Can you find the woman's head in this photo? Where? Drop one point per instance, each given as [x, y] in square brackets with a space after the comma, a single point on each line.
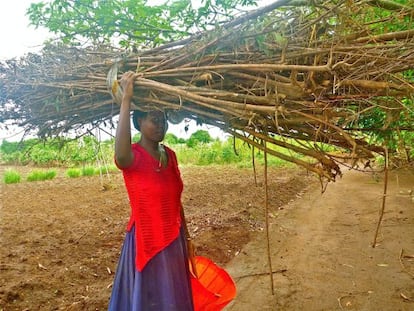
[152, 124]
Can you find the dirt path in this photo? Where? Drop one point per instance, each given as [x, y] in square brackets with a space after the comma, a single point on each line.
[322, 251]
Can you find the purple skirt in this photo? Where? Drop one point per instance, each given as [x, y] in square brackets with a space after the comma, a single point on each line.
[163, 284]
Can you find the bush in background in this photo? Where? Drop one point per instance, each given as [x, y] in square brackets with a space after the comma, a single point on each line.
[90, 154]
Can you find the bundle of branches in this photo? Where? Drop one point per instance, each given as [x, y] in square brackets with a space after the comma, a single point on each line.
[308, 71]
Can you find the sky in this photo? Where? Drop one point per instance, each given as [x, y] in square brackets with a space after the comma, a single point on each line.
[18, 38]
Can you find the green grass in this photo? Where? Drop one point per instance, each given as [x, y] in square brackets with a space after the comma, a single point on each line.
[38, 175]
[11, 176]
[106, 169]
[88, 171]
[50, 174]
[214, 152]
[73, 172]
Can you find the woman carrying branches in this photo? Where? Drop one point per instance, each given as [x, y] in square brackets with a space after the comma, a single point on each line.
[153, 270]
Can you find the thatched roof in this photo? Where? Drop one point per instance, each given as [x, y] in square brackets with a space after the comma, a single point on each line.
[295, 69]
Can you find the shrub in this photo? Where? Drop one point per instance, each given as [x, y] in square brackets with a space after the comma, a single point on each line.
[170, 139]
[11, 177]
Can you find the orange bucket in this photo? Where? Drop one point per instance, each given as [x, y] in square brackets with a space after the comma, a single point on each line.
[214, 288]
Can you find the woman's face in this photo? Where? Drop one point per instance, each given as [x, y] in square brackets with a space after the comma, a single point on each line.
[153, 126]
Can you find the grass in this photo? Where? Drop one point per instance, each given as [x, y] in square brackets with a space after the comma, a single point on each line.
[73, 172]
[215, 152]
[38, 175]
[88, 171]
[11, 177]
[106, 169]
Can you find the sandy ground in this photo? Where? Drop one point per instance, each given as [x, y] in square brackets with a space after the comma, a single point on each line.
[60, 239]
[322, 250]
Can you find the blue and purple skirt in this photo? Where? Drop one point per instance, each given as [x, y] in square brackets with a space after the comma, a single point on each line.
[163, 284]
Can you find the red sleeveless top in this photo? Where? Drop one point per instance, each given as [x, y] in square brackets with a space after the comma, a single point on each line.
[155, 198]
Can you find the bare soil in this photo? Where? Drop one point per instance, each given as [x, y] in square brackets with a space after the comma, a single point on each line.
[60, 239]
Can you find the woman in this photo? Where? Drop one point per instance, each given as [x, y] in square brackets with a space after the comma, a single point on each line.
[153, 272]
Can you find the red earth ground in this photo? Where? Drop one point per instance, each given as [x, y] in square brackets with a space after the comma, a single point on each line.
[60, 239]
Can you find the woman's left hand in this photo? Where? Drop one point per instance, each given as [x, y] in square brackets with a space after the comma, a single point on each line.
[191, 256]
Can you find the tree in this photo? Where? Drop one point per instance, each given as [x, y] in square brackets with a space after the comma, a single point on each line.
[171, 139]
[199, 136]
[130, 23]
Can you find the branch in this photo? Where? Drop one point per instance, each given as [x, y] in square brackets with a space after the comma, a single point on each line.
[398, 35]
[249, 16]
[390, 5]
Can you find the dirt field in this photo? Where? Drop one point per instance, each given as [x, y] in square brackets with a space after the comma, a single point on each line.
[60, 239]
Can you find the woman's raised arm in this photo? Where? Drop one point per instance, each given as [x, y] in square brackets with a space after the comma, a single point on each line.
[123, 151]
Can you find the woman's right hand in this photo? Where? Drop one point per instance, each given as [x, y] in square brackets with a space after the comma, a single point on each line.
[123, 152]
[127, 85]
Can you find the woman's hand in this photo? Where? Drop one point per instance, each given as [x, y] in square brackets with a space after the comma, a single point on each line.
[127, 85]
[190, 248]
[191, 257]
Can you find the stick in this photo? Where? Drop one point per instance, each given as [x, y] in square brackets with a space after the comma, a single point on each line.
[269, 257]
[258, 274]
[384, 195]
[402, 263]
[254, 165]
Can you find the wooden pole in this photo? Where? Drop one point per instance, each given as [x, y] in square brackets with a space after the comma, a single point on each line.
[384, 195]
[269, 257]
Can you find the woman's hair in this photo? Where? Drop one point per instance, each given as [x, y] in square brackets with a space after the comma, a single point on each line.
[138, 114]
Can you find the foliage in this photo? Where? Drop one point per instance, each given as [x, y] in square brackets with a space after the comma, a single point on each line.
[129, 23]
[37, 175]
[397, 22]
[106, 169]
[199, 136]
[16, 151]
[73, 172]
[171, 139]
[55, 151]
[231, 151]
[390, 127]
[11, 176]
[199, 149]
[88, 171]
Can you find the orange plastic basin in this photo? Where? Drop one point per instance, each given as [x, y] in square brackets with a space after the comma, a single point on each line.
[214, 288]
